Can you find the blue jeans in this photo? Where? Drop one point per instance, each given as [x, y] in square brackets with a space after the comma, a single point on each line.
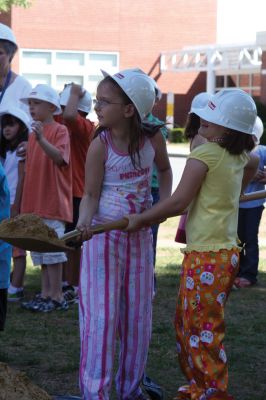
[248, 229]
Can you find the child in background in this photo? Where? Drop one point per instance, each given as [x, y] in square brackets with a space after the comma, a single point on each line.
[152, 388]
[5, 248]
[191, 133]
[210, 186]
[249, 217]
[47, 189]
[15, 126]
[193, 120]
[116, 283]
[151, 119]
[76, 104]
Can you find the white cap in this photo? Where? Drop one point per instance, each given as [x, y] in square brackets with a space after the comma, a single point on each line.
[200, 101]
[44, 93]
[138, 87]
[7, 34]
[231, 108]
[258, 129]
[18, 113]
[84, 103]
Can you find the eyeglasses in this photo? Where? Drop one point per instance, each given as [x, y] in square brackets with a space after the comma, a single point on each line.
[104, 103]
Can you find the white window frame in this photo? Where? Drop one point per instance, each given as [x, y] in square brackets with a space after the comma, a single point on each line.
[54, 70]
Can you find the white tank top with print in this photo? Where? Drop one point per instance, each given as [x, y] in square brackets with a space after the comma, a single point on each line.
[125, 189]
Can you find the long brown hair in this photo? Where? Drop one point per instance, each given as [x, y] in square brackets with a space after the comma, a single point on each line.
[236, 142]
[192, 126]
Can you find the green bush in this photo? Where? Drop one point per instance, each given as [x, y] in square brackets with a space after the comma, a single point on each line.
[176, 135]
[261, 109]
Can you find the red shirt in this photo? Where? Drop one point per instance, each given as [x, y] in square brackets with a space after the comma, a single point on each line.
[81, 134]
[47, 189]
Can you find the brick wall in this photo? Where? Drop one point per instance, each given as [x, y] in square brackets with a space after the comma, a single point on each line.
[139, 30]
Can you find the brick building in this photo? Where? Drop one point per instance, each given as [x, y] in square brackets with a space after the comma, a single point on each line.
[70, 40]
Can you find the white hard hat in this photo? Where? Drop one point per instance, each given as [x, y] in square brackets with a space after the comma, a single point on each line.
[231, 108]
[258, 129]
[84, 104]
[158, 93]
[7, 34]
[44, 93]
[138, 87]
[18, 113]
[200, 101]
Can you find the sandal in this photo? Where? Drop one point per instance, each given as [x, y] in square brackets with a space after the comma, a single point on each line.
[242, 283]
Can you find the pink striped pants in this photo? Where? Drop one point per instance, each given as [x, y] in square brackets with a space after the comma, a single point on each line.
[116, 287]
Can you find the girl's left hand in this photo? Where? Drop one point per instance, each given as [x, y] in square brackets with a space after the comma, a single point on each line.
[37, 128]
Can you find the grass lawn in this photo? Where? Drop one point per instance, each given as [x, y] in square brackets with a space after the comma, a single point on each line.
[46, 347]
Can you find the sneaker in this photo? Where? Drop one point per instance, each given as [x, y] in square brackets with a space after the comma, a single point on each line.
[34, 304]
[70, 295]
[60, 305]
[153, 389]
[15, 296]
[52, 305]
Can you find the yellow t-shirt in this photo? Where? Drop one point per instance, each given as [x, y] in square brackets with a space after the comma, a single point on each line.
[213, 214]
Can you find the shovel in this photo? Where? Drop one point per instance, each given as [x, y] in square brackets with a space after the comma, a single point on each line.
[59, 244]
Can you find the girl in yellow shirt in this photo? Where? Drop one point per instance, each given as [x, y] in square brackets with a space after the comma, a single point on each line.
[214, 176]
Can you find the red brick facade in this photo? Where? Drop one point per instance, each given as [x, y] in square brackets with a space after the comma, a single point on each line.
[139, 30]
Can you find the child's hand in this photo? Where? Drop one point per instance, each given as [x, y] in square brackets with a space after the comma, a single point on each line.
[22, 149]
[85, 232]
[77, 90]
[37, 128]
[134, 222]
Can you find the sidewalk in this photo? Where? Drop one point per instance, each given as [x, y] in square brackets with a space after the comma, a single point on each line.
[177, 149]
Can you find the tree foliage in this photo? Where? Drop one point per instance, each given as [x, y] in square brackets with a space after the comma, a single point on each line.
[5, 5]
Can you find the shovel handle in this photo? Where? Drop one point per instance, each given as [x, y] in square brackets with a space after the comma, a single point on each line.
[119, 224]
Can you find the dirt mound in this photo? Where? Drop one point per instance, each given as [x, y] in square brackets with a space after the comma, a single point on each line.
[29, 225]
[15, 385]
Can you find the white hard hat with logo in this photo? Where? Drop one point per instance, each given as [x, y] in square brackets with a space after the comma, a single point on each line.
[200, 101]
[258, 129]
[18, 113]
[231, 108]
[138, 87]
[44, 93]
[7, 34]
[84, 103]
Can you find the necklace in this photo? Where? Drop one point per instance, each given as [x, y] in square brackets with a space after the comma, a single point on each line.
[216, 140]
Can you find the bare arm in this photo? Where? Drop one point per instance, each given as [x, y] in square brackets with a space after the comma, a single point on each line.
[94, 173]
[164, 170]
[250, 170]
[190, 184]
[51, 151]
[71, 109]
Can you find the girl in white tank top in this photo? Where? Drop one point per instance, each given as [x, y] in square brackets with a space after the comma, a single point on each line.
[116, 282]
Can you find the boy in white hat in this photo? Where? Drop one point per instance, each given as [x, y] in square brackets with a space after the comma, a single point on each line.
[47, 189]
[76, 104]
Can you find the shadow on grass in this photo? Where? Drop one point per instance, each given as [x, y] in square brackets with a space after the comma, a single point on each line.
[46, 347]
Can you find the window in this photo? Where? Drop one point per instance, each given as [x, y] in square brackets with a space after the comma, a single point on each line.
[55, 67]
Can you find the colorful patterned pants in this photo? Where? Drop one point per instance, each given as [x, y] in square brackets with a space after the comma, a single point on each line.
[116, 287]
[206, 281]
